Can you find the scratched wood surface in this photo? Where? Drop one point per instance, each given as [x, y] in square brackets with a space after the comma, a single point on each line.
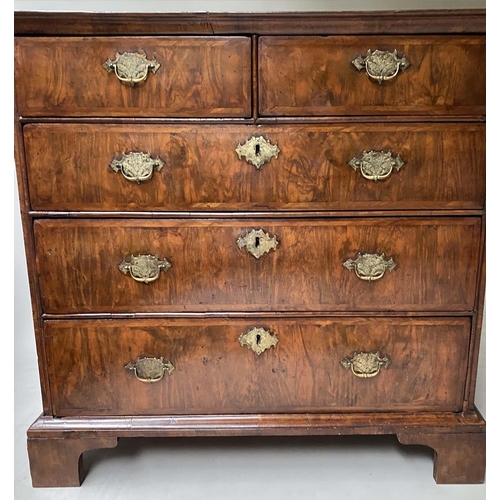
[267, 424]
[315, 76]
[306, 96]
[68, 167]
[198, 76]
[215, 374]
[419, 21]
[436, 265]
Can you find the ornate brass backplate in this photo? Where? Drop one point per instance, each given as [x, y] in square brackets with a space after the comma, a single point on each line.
[381, 65]
[257, 151]
[144, 268]
[257, 242]
[258, 340]
[370, 266]
[376, 165]
[365, 364]
[136, 166]
[150, 369]
[131, 67]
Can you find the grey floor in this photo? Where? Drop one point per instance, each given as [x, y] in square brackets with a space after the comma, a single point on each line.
[188, 469]
[215, 468]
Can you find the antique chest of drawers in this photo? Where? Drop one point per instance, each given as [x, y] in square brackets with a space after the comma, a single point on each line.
[254, 224]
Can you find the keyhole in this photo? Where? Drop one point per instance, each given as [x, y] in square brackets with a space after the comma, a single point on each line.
[257, 242]
[257, 150]
[257, 339]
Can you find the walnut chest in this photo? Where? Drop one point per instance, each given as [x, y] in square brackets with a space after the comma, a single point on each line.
[254, 224]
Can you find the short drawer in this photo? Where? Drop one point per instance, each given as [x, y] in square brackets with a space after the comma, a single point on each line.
[374, 264]
[98, 167]
[189, 366]
[187, 76]
[316, 75]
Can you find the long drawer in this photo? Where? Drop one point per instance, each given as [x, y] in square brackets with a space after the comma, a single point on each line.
[410, 75]
[197, 167]
[117, 367]
[148, 76]
[372, 264]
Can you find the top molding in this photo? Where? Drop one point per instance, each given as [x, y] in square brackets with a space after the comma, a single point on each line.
[33, 23]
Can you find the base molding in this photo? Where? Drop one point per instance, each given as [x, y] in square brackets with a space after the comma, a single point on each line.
[56, 445]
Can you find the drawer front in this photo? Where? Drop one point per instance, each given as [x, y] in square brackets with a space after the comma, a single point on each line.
[431, 166]
[258, 265]
[197, 76]
[208, 368]
[316, 75]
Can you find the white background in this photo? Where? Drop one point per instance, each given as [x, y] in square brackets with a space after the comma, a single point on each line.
[305, 468]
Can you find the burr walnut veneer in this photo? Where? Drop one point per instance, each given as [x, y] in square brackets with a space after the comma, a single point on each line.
[253, 224]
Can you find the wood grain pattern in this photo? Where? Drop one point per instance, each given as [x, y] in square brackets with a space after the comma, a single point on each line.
[463, 431]
[30, 253]
[198, 76]
[459, 458]
[436, 260]
[270, 214]
[68, 167]
[223, 78]
[57, 462]
[477, 325]
[215, 374]
[315, 76]
[282, 23]
[254, 314]
[281, 424]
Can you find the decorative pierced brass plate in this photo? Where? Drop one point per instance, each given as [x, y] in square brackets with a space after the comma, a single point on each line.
[257, 242]
[381, 65]
[376, 165]
[144, 268]
[135, 166]
[365, 364]
[131, 67]
[150, 369]
[370, 266]
[258, 340]
[257, 151]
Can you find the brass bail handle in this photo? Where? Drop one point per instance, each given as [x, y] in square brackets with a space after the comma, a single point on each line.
[136, 166]
[381, 65]
[370, 266]
[131, 67]
[376, 165]
[149, 369]
[144, 268]
[366, 364]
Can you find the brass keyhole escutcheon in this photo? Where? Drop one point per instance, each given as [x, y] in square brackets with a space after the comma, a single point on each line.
[258, 340]
[257, 242]
[257, 151]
